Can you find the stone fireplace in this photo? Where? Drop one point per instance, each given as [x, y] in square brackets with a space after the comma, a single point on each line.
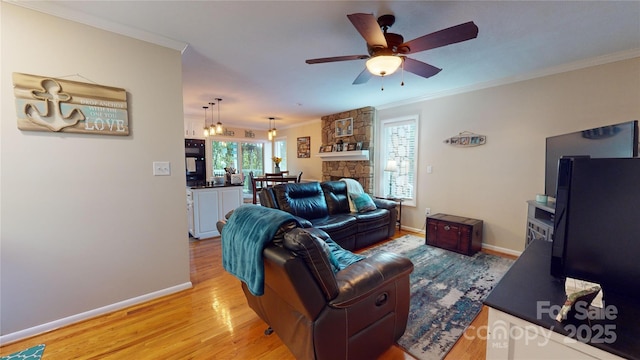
[363, 127]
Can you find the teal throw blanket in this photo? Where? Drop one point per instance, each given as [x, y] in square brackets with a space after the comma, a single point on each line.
[249, 229]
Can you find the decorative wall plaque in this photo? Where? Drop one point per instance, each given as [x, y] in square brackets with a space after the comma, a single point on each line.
[56, 105]
[466, 139]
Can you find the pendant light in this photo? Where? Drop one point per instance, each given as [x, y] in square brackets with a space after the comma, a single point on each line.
[212, 128]
[206, 129]
[273, 130]
[219, 124]
[270, 133]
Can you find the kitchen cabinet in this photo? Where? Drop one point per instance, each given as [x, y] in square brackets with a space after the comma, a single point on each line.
[208, 205]
[194, 129]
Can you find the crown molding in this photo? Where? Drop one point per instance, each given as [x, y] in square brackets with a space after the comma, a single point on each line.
[576, 65]
[54, 9]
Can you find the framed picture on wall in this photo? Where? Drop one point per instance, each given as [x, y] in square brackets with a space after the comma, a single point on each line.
[304, 147]
[344, 127]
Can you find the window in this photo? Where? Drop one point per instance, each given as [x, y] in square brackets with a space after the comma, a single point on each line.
[399, 149]
[280, 150]
[225, 155]
[244, 156]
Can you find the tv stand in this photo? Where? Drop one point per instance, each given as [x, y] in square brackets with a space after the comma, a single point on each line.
[540, 221]
[522, 324]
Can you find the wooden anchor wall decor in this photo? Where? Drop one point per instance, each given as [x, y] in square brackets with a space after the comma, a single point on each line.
[57, 105]
[466, 139]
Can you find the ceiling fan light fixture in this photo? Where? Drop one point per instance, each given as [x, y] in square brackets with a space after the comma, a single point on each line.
[383, 65]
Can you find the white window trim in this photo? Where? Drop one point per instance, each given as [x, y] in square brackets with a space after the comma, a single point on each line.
[381, 146]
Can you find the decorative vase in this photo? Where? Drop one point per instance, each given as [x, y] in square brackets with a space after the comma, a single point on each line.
[277, 169]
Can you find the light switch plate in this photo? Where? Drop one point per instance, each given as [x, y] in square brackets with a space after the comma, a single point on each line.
[161, 168]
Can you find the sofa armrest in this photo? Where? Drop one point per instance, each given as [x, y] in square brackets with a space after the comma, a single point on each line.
[384, 204]
[363, 278]
[303, 222]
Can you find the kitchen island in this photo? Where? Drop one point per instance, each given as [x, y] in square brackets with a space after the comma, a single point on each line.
[208, 204]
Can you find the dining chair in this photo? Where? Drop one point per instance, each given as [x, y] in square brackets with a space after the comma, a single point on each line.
[256, 186]
[299, 177]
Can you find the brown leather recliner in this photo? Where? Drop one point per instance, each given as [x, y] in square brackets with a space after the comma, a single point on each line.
[356, 313]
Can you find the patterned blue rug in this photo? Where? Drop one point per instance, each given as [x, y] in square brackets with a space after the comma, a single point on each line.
[32, 353]
[447, 290]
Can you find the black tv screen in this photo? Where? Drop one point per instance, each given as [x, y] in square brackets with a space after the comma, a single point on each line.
[612, 141]
[602, 229]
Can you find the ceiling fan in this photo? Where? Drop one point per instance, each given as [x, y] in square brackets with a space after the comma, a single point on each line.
[387, 51]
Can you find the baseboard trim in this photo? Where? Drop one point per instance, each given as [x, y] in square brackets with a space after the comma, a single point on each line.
[501, 250]
[56, 324]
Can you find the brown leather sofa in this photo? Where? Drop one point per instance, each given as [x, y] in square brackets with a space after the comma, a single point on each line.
[355, 313]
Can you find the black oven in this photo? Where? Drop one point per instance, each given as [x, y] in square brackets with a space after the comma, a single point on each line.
[195, 167]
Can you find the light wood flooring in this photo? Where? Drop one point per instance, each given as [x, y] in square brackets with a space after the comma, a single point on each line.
[209, 321]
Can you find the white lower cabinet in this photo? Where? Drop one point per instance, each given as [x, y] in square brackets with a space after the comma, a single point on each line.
[209, 206]
[511, 338]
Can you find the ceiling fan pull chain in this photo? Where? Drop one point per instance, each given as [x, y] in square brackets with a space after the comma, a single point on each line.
[382, 83]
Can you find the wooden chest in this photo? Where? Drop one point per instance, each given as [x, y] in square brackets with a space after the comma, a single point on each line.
[455, 233]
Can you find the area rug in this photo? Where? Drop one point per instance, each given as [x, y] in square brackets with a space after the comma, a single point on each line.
[447, 290]
[32, 353]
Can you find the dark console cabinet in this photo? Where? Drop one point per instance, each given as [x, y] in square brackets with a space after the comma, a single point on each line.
[455, 233]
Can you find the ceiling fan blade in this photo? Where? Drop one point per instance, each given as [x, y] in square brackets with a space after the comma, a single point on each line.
[419, 68]
[452, 35]
[364, 76]
[336, 58]
[368, 27]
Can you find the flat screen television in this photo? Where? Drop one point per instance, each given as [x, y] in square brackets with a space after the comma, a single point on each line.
[597, 223]
[612, 141]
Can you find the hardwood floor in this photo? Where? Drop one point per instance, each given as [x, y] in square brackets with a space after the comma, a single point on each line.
[209, 321]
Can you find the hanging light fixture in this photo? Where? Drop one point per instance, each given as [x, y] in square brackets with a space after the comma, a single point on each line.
[206, 129]
[270, 134]
[219, 124]
[273, 131]
[212, 128]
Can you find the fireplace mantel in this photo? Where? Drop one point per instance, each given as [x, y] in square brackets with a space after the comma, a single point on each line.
[357, 155]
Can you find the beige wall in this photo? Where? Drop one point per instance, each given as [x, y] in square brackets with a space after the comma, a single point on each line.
[311, 167]
[492, 182]
[84, 224]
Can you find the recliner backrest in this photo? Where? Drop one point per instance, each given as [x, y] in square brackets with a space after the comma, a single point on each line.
[307, 244]
[336, 196]
[305, 200]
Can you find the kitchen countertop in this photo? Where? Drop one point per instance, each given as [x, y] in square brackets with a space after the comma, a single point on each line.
[201, 187]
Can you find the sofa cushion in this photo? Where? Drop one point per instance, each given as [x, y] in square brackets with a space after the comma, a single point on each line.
[336, 222]
[305, 200]
[372, 219]
[339, 227]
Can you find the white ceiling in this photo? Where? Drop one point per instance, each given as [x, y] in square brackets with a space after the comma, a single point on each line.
[252, 53]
